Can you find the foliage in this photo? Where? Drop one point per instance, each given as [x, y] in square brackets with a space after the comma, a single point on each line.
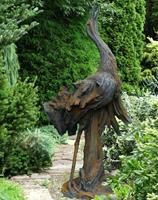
[13, 25]
[152, 196]
[18, 112]
[140, 109]
[151, 18]
[122, 24]
[52, 132]
[11, 63]
[33, 150]
[18, 103]
[72, 7]
[22, 111]
[57, 52]
[10, 191]
[107, 197]
[138, 176]
[150, 66]
[4, 94]
[13, 14]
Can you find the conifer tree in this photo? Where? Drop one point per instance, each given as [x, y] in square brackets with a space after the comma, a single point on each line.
[151, 26]
[13, 14]
[122, 28]
[13, 25]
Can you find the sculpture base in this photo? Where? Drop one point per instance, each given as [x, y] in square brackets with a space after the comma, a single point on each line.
[74, 190]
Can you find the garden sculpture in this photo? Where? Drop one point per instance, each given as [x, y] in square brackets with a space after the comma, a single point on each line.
[94, 103]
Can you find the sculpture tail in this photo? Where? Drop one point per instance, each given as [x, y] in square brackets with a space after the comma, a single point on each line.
[120, 111]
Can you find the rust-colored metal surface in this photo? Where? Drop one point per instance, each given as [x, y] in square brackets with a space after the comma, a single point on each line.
[94, 104]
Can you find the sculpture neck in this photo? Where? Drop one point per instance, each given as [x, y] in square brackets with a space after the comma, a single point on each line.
[107, 59]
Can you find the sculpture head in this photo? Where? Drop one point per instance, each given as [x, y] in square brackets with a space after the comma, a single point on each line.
[56, 117]
[92, 23]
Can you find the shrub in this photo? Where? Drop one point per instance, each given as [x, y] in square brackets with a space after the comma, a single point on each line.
[18, 112]
[122, 24]
[140, 109]
[57, 52]
[33, 150]
[22, 111]
[150, 66]
[18, 103]
[11, 63]
[138, 176]
[151, 18]
[10, 191]
[72, 7]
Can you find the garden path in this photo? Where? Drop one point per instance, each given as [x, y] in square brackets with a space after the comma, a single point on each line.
[46, 185]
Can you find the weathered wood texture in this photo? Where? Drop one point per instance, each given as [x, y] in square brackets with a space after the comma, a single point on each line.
[94, 104]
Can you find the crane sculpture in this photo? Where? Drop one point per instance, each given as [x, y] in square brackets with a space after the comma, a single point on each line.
[94, 103]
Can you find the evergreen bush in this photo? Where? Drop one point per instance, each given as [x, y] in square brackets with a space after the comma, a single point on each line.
[13, 15]
[150, 66]
[11, 63]
[57, 52]
[122, 24]
[71, 7]
[18, 108]
[33, 150]
[18, 111]
[21, 112]
[151, 25]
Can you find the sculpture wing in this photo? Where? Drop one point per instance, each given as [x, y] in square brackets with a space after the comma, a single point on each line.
[98, 92]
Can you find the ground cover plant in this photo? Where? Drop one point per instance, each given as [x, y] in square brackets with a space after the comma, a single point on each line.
[10, 191]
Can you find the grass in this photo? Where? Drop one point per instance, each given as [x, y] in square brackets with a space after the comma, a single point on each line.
[48, 137]
[52, 133]
[10, 191]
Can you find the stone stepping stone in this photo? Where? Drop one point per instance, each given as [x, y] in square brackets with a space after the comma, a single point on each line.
[37, 194]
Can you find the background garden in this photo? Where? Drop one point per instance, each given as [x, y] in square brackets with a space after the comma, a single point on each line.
[43, 45]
